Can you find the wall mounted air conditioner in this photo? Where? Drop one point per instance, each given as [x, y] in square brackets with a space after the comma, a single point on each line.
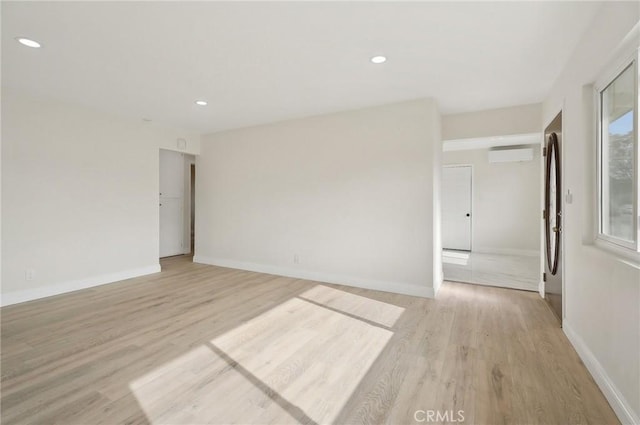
[511, 154]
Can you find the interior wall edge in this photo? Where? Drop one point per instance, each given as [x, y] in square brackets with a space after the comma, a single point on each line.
[615, 398]
[17, 297]
[506, 251]
[376, 285]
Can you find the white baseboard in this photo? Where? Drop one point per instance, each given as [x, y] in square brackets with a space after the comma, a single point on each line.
[61, 288]
[506, 251]
[394, 287]
[618, 403]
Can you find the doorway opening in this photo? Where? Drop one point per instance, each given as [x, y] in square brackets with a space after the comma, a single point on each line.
[176, 203]
[457, 183]
[552, 216]
[192, 173]
[490, 211]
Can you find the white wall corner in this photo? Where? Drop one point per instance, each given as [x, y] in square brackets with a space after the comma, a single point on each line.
[376, 285]
[437, 284]
[618, 403]
[75, 285]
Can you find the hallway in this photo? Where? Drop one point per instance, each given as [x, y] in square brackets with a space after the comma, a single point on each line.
[507, 271]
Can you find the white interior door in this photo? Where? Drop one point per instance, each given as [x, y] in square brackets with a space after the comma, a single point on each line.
[172, 177]
[456, 208]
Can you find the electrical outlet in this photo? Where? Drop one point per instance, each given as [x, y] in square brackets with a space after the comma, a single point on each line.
[29, 274]
[296, 259]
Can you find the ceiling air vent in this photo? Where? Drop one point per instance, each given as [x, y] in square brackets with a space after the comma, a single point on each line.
[511, 154]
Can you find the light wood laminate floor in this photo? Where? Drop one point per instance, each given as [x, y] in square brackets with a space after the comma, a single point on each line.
[202, 344]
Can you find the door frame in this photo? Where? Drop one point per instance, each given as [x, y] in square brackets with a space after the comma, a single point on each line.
[190, 161]
[559, 110]
[471, 203]
[182, 206]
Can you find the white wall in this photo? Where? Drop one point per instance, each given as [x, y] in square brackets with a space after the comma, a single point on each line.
[1, 115]
[521, 119]
[601, 291]
[505, 202]
[80, 196]
[350, 194]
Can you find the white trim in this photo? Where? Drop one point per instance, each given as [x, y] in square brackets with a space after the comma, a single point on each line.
[436, 287]
[616, 250]
[376, 285]
[74, 285]
[621, 60]
[618, 403]
[541, 288]
[621, 64]
[507, 251]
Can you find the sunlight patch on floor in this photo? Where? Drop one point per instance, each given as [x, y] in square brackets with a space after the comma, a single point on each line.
[379, 312]
[298, 362]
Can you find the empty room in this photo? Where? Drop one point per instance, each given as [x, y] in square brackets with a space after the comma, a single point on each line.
[320, 212]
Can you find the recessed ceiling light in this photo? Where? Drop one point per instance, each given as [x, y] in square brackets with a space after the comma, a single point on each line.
[201, 102]
[378, 59]
[28, 42]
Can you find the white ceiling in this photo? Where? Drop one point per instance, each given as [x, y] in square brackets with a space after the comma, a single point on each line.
[258, 62]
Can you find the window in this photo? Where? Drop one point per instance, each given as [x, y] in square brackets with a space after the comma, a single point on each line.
[618, 158]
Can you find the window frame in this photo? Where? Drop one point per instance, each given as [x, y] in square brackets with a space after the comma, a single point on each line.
[619, 245]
